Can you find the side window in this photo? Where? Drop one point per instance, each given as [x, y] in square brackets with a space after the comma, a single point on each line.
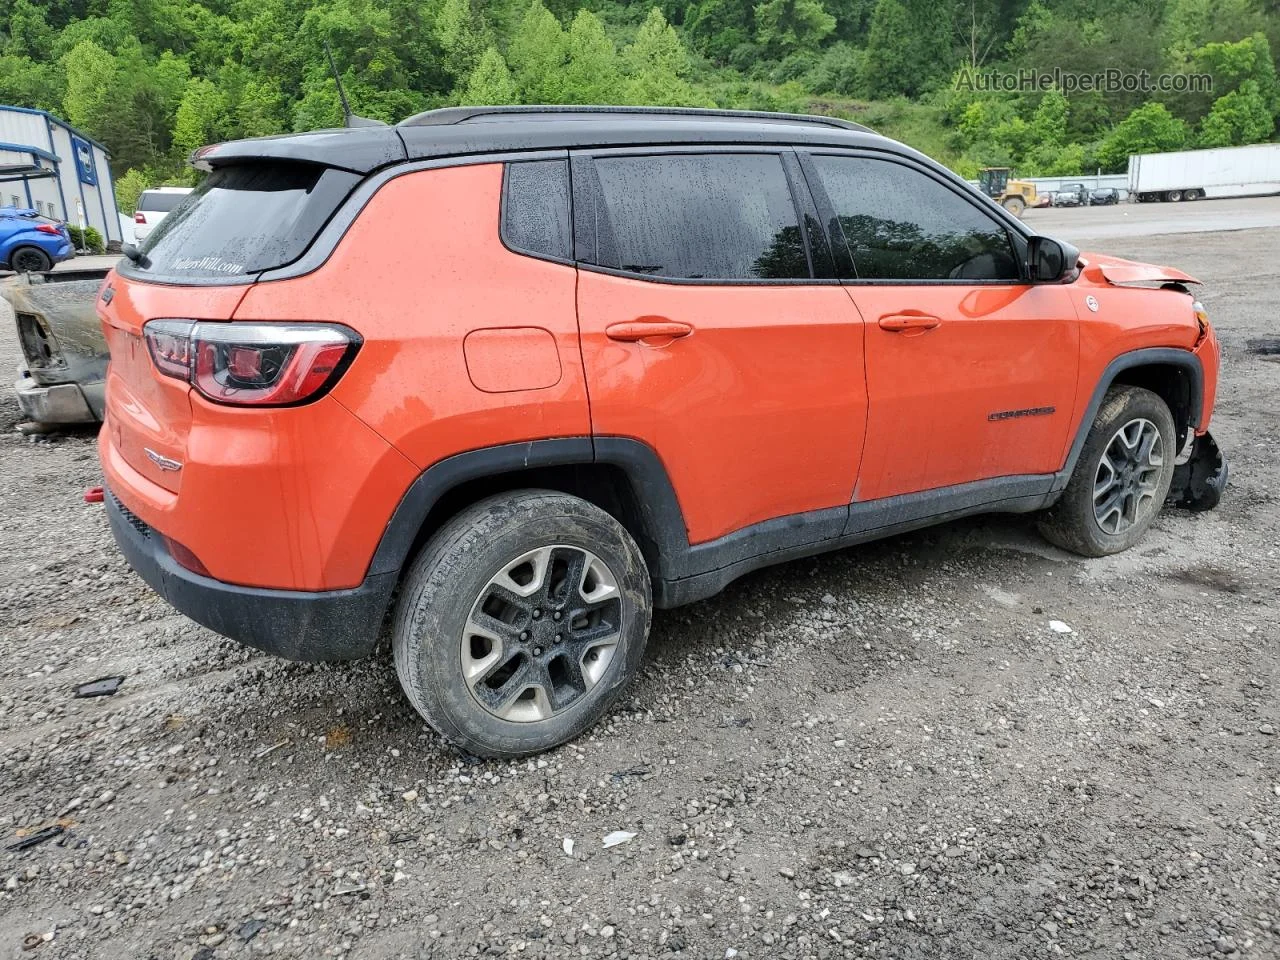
[903, 225]
[535, 208]
[706, 217]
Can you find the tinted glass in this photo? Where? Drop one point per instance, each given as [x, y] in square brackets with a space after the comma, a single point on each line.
[535, 211]
[903, 225]
[244, 219]
[712, 217]
[160, 202]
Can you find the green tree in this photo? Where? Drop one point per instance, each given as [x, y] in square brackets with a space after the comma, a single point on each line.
[202, 117]
[1049, 123]
[1241, 117]
[462, 35]
[658, 65]
[718, 27]
[785, 26]
[591, 73]
[27, 83]
[490, 82]
[1148, 129]
[888, 64]
[129, 188]
[537, 55]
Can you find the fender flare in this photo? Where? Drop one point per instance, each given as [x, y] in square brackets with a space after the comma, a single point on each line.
[1184, 360]
[662, 522]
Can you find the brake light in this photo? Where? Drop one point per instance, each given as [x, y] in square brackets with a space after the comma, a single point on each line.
[139, 217]
[48, 228]
[252, 364]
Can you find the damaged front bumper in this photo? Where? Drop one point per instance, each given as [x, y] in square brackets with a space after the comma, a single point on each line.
[1200, 477]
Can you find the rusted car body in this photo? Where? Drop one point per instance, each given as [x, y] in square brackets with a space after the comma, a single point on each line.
[62, 377]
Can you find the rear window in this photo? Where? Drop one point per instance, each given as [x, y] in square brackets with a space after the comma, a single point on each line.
[242, 220]
[157, 202]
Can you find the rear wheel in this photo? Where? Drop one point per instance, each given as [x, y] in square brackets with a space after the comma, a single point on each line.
[29, 260]
[521, 622]
[1174, 196]
[1014, 205]
[1121, 478]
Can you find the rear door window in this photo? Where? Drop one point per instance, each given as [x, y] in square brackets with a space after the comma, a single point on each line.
[901, 224]
[160, 201]
[241, 220]
[720, 216]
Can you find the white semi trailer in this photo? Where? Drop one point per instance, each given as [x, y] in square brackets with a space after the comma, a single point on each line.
[1195, 174]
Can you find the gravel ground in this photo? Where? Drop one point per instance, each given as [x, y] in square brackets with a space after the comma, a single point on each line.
[884, 752]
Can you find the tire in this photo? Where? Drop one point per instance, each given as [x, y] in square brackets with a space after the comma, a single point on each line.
[1014, 205]
[1174, 196]
[29, 260]
[493, 671]
[1193, 195]
[1074, 522]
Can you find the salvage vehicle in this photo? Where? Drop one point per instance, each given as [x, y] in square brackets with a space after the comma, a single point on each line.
[1071, 195]
[1104, 196]
[526, 374]
[62, 376]
[30, 242]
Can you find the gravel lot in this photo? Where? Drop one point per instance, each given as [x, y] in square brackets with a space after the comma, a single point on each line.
[884, 752]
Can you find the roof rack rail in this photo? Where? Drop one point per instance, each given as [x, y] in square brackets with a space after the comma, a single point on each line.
[452, 115]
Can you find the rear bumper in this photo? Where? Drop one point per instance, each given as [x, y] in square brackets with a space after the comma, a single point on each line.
[295, 624]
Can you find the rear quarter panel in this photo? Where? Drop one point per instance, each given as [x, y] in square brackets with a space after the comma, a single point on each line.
[420, 269]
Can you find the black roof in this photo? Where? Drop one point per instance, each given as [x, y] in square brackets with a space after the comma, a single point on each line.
[457, 131]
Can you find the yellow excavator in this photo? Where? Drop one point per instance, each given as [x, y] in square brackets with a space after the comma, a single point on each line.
[1014, 195]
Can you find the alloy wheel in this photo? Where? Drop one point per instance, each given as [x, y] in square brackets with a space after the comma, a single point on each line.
[29, 261]
[1128, 476]
[542, 633]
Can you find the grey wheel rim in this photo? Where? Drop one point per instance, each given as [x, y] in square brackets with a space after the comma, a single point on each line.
[1128, 477]
[542, 633]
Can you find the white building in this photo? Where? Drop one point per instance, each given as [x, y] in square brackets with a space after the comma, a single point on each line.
[50, 166]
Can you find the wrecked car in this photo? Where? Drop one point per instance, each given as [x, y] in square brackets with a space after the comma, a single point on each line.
[62, 376]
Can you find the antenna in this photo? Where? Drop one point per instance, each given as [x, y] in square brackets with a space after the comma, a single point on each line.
[342, 94]
[349, 119]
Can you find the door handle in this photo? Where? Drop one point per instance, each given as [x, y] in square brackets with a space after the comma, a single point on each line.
[657, 328]
[898, 322]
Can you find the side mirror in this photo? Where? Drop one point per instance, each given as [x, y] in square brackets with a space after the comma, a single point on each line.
[1051, 261]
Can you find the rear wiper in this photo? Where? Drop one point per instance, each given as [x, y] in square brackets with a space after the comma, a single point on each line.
[136, 255]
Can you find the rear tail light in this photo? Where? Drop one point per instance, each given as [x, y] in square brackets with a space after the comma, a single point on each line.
[252, 364]
[48, 228]
[139, 217]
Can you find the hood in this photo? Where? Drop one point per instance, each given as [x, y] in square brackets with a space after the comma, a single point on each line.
[1119, 273]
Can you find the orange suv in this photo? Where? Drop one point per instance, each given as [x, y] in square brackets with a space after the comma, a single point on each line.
[517, 376]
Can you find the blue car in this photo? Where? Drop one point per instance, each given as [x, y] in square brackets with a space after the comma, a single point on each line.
[30, 243]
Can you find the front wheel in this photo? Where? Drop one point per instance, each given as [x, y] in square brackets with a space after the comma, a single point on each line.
[521, 622]
[1014, 205]
[1121, 478]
